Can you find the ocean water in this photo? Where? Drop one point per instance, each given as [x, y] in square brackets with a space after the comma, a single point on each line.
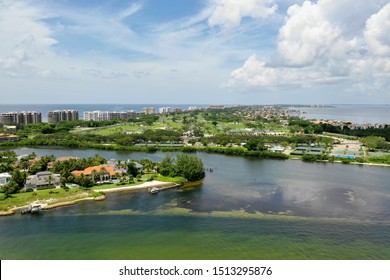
[352, 113]
[359, 114]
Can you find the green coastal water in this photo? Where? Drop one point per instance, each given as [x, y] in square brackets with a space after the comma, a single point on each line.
[245, 209]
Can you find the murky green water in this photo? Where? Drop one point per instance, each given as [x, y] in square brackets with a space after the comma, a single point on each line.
[245, 209]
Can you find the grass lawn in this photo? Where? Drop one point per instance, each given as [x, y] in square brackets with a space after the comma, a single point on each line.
[144, 178]
[25, 198]
[117, 129]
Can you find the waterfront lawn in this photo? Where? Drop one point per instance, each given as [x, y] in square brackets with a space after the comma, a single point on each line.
[144, 178]
[384, 159]
[25, 198]
[177, 180]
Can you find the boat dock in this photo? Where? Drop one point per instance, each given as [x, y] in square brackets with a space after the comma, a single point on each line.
[32, 209]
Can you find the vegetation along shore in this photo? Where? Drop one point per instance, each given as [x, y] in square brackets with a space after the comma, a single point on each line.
[252, 131]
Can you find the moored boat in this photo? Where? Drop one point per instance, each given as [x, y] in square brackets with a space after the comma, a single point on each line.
[32, 209]
[154, 190]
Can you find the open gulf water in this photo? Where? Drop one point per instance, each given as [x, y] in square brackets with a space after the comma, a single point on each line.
[353, 113]
[359, 114]
[246, 208]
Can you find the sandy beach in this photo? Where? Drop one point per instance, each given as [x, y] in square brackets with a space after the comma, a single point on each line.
[144, 186]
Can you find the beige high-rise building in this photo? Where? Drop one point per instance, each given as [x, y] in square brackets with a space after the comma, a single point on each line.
[21, 118]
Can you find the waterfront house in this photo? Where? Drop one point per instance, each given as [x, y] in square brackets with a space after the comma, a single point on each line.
[5, 178]
[100, 173]
[52, 164]
[42, 180]
[139, 167]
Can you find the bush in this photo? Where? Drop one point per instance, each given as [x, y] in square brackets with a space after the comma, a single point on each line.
[309, 158]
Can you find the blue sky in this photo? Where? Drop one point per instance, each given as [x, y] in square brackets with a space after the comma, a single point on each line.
[195, 51]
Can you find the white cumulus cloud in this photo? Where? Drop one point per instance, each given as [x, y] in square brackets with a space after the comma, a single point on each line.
[306, 34]
[228, 13]
[377, 32]
[316, 46]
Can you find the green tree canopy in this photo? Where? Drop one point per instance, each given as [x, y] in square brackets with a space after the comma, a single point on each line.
[188, 166]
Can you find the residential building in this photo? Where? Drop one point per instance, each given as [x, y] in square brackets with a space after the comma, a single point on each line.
[52, 164]
[148, 110]
[30, 117]
[5, 178]
[216, 107]
[108, 116]
[43, 180]
[177, 110]
[8, 138]
[57, 116]
[121, 115]
[21, 118]
[100, 173]
[96, 116]
[9, 118]
[164, 110]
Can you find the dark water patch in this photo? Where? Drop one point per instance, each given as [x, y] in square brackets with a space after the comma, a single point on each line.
[183, 237]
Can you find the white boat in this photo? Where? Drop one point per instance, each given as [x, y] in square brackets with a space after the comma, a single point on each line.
[32, 209]
[154, 190]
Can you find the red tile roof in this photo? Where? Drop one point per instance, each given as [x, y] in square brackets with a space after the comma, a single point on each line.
[88, 171]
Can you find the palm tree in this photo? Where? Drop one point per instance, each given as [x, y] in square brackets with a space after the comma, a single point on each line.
[93, 175]
[103, 173]
[49, 179]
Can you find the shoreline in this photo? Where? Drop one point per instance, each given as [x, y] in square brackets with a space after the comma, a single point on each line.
[144, 186]
[349, 163]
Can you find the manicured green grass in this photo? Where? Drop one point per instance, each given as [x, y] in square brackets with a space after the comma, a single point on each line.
[117, 129]
[144, 178]
[25, 198]
[178, 180]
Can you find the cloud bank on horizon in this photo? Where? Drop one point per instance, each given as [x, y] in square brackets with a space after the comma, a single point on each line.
[198, 51]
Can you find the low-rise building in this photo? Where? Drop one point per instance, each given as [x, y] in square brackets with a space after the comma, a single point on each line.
[5, 178]
[9, 127]
[42, 180]
[8, 138]
[100, 173]
[277, 149]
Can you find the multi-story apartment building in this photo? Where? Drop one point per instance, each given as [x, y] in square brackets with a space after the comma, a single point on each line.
[62, 115]
[164, 110]
[148, 110]
[122, 115]
[107, 116]
[21, 118]
[9, 118]
[96, 116]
